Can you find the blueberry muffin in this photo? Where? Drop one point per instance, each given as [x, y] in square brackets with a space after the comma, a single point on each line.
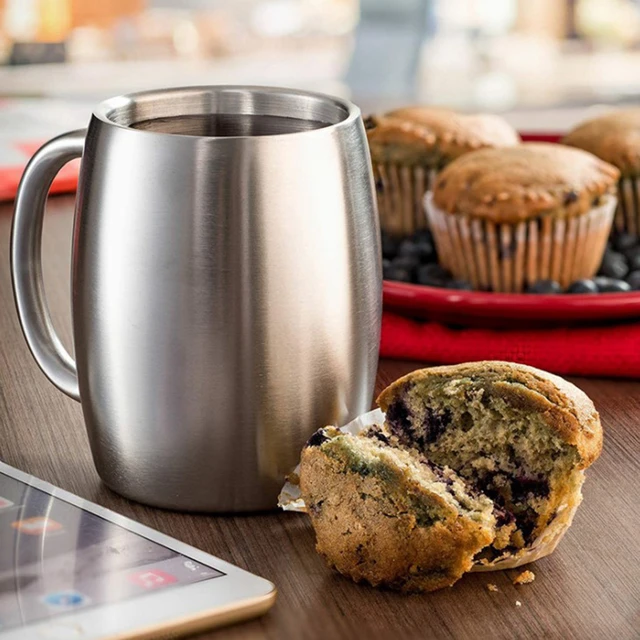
[477, 467]
[387, 516]
[518, 435]
[504, 219]
[615, 137]
[409, 145]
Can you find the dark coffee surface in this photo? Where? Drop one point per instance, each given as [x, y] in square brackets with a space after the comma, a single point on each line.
[225, 125]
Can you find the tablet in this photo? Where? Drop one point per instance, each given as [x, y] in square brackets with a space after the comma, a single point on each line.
[70, 569]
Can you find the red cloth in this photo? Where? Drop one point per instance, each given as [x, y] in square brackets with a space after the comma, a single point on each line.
[65, 181]
[611, 351]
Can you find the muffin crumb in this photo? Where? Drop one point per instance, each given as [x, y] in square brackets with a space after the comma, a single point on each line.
[525, 577]
[492, 587]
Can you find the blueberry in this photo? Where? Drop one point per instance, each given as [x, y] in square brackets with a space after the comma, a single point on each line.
[389, 246]
[435, 423]
[422, 235]
[423, 251]
[634, 280]
[545, 286]
[399, 420]
[406, 262]
[402, 268]
[433, 275]
[401, 274]
[583, 286]
[317, 438]
[426, 251]
[614, 265]
[611, 285]
[523, 486]
[624, 241]
[633, 259]
[463, 285]
[408, 248]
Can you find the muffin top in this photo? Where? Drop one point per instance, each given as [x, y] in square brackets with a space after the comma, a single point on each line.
[433, 137]
[614, 137]
[568, 411]
[524, 182]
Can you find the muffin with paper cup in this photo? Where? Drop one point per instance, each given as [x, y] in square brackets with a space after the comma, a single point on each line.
[504, 219]
[615, 138]
[410, 145]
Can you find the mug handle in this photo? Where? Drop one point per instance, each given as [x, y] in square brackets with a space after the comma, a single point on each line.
[26, 260]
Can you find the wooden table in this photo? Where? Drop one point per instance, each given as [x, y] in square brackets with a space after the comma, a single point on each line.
[589, 589]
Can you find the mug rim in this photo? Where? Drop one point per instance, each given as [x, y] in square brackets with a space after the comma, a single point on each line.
[128, 109]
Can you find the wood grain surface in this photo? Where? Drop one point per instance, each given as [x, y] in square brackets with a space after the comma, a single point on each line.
[588, 589]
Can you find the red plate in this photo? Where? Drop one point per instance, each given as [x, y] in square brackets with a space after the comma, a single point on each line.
[503, 310]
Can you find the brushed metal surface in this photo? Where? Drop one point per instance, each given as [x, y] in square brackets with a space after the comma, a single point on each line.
[226, 291]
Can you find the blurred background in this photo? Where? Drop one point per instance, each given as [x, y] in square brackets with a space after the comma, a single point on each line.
[542, 61]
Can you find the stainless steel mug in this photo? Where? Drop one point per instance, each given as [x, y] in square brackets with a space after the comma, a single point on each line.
[226, 286]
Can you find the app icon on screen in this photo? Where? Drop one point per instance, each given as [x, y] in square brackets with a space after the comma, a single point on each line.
[152, 578]
[36, 526]
[65, 599]
[4, 503]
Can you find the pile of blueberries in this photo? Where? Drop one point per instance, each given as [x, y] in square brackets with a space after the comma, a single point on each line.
[414, 259]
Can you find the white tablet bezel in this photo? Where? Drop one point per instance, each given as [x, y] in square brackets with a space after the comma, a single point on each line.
[236, 595]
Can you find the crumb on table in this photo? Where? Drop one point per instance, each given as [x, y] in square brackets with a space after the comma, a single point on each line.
[525, 577]
[518, 603]
[492, 587]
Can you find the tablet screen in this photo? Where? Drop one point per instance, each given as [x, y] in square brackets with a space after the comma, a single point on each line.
[55, 558]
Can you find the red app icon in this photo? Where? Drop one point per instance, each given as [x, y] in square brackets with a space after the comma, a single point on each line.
[4, 503]
[36, 526]
[152, 578]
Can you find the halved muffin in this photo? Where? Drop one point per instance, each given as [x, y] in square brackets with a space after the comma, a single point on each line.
[477, 467]
[388, 516]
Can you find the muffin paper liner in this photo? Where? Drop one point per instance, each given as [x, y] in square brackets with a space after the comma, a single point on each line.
[628, 212]
[291, 500]
[508, 257]
[400, 190]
